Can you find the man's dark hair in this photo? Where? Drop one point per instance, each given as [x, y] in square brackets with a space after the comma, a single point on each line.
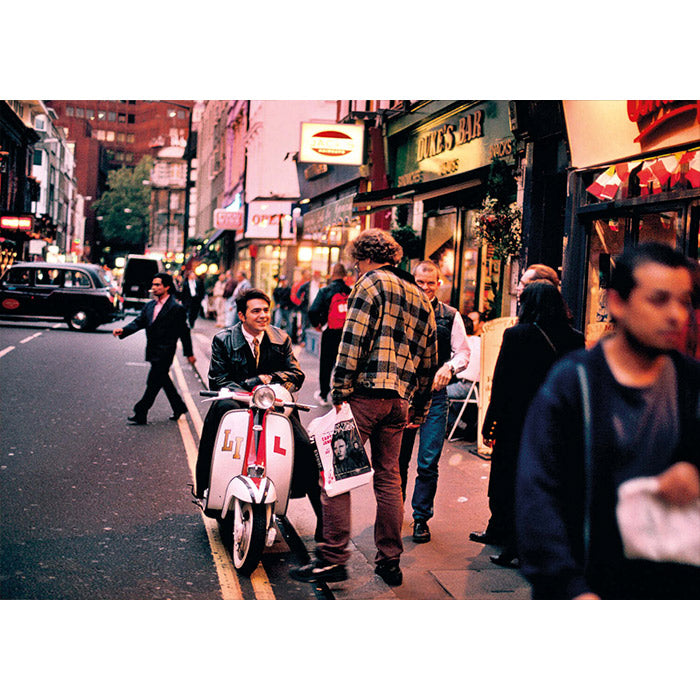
[165, 278]
[248, 295]
[468, 324]
[542, 303]
[377, 246]
[622, 278]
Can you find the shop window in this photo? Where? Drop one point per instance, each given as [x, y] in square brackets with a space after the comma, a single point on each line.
[440, 248]
[663, 227]
[606, 241]
[469, 298]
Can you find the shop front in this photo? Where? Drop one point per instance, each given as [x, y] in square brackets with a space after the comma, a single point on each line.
[439, 161]
[263, 247]
[635, 178]
[326, 231]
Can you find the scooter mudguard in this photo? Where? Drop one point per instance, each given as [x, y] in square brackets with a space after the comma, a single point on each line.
[230, 451]
[247, 490]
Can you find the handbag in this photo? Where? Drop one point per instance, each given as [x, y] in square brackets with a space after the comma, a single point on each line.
[340, 455]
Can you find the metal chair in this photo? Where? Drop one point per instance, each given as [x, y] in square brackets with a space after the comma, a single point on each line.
[471, 397]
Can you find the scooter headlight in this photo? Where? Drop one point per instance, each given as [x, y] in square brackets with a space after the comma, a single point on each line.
[264, 397]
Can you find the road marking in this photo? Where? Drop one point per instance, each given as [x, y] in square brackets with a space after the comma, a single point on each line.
[31, 337]
[227, 574]
[4, 352]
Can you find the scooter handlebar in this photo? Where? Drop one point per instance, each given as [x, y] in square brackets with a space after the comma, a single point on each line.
[247, 396]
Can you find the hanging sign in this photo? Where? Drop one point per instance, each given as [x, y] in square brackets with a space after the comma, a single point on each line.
[342, 144]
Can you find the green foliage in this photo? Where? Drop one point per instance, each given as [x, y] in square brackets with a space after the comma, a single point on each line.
[126, 230]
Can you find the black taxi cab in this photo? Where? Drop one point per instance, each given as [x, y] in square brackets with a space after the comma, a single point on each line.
[81, 294]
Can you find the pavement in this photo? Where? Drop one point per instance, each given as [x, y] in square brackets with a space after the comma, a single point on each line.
[450, 566]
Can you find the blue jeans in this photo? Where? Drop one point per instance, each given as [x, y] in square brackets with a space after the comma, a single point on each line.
[431, 440]
[283, 316]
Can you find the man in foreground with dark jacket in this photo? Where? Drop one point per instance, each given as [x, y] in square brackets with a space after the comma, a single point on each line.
[627, 408]
[165, 321]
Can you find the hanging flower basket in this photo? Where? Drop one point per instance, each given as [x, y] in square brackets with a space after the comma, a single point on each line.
[499, 225]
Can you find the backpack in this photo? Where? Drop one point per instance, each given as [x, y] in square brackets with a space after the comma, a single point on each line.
[337, 310]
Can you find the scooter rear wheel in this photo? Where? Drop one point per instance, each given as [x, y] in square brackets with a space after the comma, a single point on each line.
[249, 529]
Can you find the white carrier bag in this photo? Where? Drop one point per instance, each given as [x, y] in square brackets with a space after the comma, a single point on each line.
[339, 452]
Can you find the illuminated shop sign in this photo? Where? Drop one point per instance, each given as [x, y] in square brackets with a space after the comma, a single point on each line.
[266, 217]
[342, 144]
[465, 139]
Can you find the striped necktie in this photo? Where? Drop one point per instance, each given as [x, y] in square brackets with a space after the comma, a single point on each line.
[256, 350]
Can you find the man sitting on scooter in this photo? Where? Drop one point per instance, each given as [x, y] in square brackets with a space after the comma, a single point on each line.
[243, 356]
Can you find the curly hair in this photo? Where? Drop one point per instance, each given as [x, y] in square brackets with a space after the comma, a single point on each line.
[375, 245]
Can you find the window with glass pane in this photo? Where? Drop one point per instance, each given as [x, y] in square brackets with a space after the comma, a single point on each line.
[470, 266]
[440, 248]
[663, 227]
[605, 243]
[49, 277]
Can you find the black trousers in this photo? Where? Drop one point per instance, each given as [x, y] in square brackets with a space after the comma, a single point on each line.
[305, 480]
[193, 312]
[330, 341]
[158, 379]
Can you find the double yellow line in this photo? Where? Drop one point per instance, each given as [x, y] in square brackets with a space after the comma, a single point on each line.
[228, 579]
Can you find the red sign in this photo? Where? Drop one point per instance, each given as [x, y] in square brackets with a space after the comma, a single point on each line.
[22, 223]
[230, 220]
[650, 115]
[10, 304]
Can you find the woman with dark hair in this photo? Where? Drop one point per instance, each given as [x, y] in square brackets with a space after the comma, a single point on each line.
[542, 335]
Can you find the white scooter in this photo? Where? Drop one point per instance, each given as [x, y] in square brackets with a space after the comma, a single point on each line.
[251, 470]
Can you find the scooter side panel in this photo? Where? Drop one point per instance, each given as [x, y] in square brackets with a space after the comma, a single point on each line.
[279, 449]
[229, 455]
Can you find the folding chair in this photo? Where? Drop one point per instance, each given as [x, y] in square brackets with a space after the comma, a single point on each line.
[471, 397]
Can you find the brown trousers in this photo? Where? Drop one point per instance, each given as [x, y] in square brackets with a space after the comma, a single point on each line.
[381, 421]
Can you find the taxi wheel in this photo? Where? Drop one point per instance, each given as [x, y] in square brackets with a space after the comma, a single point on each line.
[80, 320]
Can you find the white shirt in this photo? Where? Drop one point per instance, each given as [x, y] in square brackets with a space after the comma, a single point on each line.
[459, 345]
[249, 338]
[473, 371]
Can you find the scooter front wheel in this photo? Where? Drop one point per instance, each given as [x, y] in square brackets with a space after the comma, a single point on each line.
[249, 529]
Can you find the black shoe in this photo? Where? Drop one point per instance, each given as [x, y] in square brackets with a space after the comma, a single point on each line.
[421, 531]
[176, 415]
[485, 537]
[390, 573]
[137, 420]
[318, 571]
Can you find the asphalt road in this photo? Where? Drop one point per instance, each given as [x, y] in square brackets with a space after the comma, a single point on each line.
[94, 508]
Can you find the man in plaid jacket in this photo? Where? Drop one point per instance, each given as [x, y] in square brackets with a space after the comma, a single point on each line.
[384, 370]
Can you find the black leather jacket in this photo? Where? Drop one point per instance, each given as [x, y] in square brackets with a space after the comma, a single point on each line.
[232, 362]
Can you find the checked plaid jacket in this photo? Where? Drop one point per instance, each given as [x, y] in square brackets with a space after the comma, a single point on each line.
[389, 341]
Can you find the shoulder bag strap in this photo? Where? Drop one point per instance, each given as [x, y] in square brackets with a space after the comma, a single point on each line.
[587, 455]
[546, 337]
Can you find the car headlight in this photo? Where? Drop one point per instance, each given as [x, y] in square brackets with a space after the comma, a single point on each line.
[263, 397]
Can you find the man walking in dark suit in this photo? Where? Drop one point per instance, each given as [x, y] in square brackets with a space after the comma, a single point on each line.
[165, 321]
[191, 296]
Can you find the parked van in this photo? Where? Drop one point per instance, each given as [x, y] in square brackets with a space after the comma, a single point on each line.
[139, 272]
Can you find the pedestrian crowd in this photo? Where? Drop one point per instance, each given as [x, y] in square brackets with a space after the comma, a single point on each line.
[568, 426]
